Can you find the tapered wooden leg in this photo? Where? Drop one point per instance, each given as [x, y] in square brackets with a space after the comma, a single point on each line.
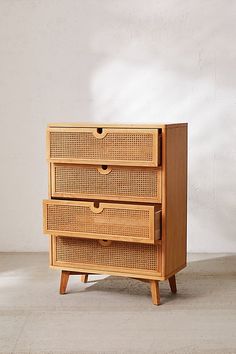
[172, 282]
[84, 278]
[155, 292]
[64, 280]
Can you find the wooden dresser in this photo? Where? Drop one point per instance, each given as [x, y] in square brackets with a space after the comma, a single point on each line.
[117, 201]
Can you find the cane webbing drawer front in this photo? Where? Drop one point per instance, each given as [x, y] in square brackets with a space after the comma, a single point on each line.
[106, 182]
[81, 253]
[135, 147]
[136, 223]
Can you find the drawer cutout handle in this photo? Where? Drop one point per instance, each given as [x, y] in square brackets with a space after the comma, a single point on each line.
[96, 208]
[105, 242]
[99, 133]
[104, 169]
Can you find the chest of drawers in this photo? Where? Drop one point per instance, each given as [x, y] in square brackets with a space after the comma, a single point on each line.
[117, 201]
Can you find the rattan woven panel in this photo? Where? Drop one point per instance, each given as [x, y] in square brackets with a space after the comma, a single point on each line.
[118, 254]
[115, 146]
[118, 221]
[122, 182]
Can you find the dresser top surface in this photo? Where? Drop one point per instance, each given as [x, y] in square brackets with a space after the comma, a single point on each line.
[123, 126]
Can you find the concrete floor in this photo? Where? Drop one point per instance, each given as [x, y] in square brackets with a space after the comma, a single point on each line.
[115, 315]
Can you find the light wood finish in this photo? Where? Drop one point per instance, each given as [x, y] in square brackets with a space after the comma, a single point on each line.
[99, 269]
[104, 271]
[154, 284]
[124, 222]
[172, 282]
[50, 239]
[64, 281]
[75, 181]
[89, 256]
[49, 180]
[111, 271]
[174, 207]
[155, 292]
[118, 126]
[65, 274]
[157, 255]
[167, 276]
[118, 146]
[84, 278]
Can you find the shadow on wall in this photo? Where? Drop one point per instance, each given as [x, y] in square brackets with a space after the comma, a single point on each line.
[175, 61]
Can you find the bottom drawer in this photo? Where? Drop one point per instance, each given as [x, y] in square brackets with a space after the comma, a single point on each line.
[108, 255]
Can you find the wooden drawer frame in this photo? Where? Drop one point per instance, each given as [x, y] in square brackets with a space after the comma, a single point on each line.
[155, 148]
[101, 172]
[154, 223]
[102, 269]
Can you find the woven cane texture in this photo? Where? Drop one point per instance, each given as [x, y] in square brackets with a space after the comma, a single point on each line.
[114, 146]
[117, 254]
[110, 221]
[123, 182]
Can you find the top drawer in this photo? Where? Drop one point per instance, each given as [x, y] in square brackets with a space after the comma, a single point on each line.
[131, 147]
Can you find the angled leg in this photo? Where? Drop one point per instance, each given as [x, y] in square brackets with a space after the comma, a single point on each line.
[155, 292]
[84, 278]
[172, 282]
[64, 280]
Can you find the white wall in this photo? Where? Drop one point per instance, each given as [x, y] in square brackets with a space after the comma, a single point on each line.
[118, 61]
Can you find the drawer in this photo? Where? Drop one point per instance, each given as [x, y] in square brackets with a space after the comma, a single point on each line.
[131, 147]
[114, 256]
[106, 182]
[106, 221]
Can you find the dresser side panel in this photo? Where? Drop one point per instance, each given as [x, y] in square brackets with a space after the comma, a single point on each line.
[176, 199]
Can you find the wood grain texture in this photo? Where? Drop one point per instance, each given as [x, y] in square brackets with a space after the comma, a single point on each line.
[154, 284]
[65, 274]
[76, 218]
[64, 281]
[50, 241]
[118, 126]
[172, 282]
[50, 179]
[111, 271]
[174, 207]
